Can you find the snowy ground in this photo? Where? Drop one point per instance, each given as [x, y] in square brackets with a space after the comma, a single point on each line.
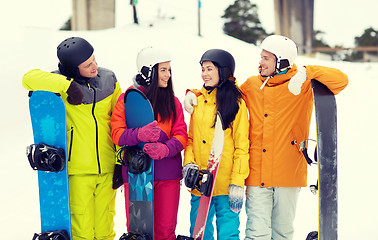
[24, 48]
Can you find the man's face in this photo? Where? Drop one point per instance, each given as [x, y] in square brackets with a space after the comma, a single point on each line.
[267, 63]
[89, 67]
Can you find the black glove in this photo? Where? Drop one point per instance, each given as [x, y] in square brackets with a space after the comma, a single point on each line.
[75, 96]
[117, 176]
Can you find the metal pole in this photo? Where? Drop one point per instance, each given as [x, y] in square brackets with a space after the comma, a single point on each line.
[134, 3]
[199, 18]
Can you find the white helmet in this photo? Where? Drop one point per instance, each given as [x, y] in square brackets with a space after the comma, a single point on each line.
[146, 59]
[283, 48]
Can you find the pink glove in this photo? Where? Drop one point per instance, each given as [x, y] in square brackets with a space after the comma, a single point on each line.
[149, 133]
[156, 151]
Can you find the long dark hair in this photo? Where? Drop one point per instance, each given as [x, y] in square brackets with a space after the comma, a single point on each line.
[162, 99]
[228, 98]
[228, 95]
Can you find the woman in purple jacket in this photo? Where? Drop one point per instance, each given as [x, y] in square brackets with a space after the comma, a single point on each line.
[166, 137]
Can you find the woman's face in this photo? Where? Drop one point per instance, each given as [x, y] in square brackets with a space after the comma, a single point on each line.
[164, 73]
[210, 74]
[267, 63]
[89, 67]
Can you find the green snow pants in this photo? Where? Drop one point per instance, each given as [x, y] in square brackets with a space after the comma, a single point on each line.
[92, 206]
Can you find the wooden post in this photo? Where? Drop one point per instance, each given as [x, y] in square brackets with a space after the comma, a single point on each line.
[93, 14]
[294, 19]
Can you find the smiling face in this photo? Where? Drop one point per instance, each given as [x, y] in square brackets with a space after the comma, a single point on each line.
[164, 73]
[89, 67]
[210, 74]
[267, 63]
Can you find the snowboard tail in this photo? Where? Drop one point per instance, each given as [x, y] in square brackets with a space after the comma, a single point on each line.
[48, 118]
[138, 113]
[326, 125]
[212, 167]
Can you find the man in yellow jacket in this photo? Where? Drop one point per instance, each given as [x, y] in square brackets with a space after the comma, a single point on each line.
[280, 104]
[90, 94]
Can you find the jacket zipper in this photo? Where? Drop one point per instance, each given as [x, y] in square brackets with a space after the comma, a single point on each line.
[94, 117]
[69, 154]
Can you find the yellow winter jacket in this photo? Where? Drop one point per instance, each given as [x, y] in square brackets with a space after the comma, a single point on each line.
[90, 146]
[279, 122]
[233, 168]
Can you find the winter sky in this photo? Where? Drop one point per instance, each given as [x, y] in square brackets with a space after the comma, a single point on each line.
[341, 20]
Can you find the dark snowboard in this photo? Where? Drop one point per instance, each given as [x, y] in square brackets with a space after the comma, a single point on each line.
[326, 125]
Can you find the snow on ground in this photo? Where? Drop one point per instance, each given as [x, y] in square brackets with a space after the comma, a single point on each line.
[25, 48]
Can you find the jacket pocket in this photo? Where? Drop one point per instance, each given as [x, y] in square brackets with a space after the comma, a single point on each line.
[70, 142]
[297, 137]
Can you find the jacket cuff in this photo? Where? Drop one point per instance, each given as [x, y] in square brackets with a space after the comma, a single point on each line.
[129, 137]
[237, 180]
[174, 147]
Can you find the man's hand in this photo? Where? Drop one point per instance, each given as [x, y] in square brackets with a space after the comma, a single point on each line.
[190, 101]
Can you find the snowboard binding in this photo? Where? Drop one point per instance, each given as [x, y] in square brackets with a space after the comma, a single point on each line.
[202, 180]
[52, 235]
[312, 236]
[44, 157]
[134, 158]
[181, 237]
[135, 236]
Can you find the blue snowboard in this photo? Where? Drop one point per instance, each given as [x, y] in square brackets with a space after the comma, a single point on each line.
[48, 117]
[138, 113]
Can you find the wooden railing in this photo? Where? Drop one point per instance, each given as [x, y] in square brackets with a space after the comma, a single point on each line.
[366, 51]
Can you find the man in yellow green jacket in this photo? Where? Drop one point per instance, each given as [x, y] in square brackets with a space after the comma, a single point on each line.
[90, 94]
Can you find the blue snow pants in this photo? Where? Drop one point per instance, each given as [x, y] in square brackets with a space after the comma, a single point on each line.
[227, 222]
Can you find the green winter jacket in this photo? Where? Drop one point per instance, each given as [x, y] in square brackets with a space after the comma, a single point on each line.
[90, 146]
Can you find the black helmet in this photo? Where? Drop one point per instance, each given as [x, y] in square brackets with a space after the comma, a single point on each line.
[73, 51]
[224, 61]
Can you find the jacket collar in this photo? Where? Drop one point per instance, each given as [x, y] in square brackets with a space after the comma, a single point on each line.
[209, 96]
[279, 79]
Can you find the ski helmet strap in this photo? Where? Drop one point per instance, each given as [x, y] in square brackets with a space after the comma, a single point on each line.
[144, 78]
[222, 77]
[281, 65]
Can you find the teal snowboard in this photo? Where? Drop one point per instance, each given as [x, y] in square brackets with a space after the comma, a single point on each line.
[48, 118]
[138, 113]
